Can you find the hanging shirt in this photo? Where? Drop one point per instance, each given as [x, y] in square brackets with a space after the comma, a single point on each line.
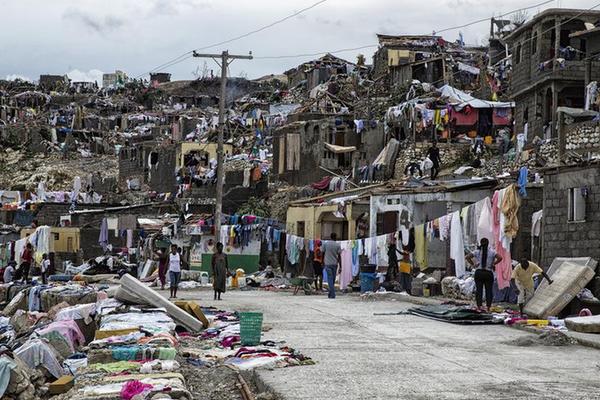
[174, 262]
[457, 251]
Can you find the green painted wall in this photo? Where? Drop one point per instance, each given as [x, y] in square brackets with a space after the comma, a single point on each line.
[249, 263]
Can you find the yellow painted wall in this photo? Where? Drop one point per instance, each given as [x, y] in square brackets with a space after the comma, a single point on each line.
[210, 148]
[68, 239]
[311, 216]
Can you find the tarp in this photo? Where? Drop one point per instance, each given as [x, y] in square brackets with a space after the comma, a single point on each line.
[339, 149]
[460, 99]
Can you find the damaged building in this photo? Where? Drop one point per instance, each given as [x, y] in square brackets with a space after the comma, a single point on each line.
[549, 68]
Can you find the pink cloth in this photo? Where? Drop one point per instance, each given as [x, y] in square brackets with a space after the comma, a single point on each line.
[504, 267]
[68, 329]
[133, 388]
[346, 275]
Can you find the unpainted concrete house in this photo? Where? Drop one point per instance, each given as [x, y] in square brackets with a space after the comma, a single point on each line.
[318, 71]
[549, 68]
[149, 163]
[302, 148]
[571, 223]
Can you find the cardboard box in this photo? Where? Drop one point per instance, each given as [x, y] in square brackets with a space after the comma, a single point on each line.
[61, 385]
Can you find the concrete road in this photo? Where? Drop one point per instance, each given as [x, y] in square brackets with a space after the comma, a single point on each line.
[362, 356]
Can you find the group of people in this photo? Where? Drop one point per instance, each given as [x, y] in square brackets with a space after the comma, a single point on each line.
[433, 162]
[14, 273]
[484, 259]
[172, 263]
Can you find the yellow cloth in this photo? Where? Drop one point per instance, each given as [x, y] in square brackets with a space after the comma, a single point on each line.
[510, 207]
[405, 267]
[525, 276]
[420, 247]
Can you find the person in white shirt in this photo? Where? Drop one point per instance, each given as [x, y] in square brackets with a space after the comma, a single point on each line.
[9, 272]
[174, 270]
[45, 267]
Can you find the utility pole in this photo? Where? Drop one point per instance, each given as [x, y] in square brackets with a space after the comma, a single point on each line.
[226, 59]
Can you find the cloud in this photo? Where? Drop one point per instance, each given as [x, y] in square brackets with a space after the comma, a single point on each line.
[94, 23]
[14, 77]
[326, 21]
[176, 7]
[93, 75]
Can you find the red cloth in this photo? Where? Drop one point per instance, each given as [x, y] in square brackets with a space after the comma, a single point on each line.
[467, 116]
[27, 256]
[323, 184]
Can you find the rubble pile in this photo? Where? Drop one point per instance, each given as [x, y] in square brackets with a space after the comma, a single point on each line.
[22, 170]
[584, 137]
[451, 156]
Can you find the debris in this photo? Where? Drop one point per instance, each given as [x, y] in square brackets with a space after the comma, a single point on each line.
[546, 338]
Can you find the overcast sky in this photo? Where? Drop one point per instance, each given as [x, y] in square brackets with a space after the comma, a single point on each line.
[87, 37]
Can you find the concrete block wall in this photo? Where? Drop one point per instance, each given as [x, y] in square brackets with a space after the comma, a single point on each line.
[571, 239]
[530, 204]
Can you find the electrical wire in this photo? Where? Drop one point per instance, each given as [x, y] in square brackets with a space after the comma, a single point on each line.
[187, 54]
[315, 54]
[487, 19]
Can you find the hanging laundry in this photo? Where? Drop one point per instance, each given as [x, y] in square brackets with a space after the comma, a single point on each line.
[485, 222]
[346, 261]
[457, 248]
[420, 247]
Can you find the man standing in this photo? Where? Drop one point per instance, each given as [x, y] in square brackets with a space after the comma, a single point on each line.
[434, 155]
[332, 261]
[45, 267]
[174, 270]
[523, 276]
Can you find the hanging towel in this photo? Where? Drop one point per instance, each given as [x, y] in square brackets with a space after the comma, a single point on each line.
[457, 248]
[346, 275]
[523, 172]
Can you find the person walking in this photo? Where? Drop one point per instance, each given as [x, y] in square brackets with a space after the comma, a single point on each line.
[392, 253]
[26, 260]
[523, 276]
[174, 271]
[484, 259]
[332, 262]
[434, 155]
[220, 270]
[318, 265]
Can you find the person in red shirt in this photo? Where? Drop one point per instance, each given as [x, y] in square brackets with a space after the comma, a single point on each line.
[26, 260]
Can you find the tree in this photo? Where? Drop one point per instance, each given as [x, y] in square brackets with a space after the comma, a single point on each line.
[255, 206]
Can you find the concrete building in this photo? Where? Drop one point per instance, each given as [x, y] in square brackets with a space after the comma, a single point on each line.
[549, 68]
[394, 209]
[118, 78]
[302, 148]
[54, 82]
[426, 58]
[318, 71]
[204, 151]
[571, 224]
[157, 78]
[150, 163]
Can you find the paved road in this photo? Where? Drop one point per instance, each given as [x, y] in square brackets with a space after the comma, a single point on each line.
[362, 356]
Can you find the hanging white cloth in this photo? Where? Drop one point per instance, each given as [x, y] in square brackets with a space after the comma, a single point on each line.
[484, 225]
[457, 247]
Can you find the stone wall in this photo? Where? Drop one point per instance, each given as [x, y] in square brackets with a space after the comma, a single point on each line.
[452, 155]
[582, 136]
[571, 239]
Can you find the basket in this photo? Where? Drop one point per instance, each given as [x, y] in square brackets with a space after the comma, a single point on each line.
[250, 328]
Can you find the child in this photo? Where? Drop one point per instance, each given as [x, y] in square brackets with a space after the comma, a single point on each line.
[45, 267]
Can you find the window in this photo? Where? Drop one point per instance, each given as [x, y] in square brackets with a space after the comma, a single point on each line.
[300, 229]
[387, 222]
[70, 244]
[56, 236]
[518, 54]
[534, 42]
[577, 204]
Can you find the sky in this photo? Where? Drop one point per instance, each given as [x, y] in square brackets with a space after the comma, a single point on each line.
[85, 38]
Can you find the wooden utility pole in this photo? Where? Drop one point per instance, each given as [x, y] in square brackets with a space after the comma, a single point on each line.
[226, 59]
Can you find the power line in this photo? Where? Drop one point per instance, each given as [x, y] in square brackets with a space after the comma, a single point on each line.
[487, 19]
[187, 54]
[315, 54]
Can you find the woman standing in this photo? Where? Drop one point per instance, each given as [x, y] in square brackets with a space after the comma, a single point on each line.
[318, 265]
[220, 270]
[163, 264]
[174, 270]
[484, 259]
